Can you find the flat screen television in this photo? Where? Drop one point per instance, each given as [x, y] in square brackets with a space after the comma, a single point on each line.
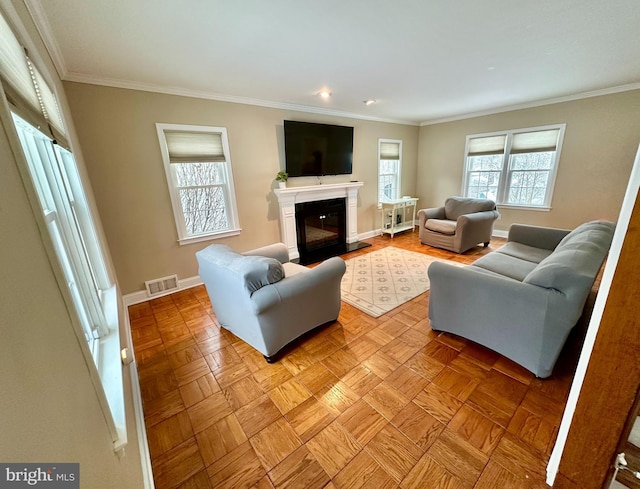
[313, 149]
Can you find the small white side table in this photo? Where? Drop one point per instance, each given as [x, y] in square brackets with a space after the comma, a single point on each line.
[398, 215]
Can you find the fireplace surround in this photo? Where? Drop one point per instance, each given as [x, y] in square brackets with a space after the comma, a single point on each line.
[325, 242]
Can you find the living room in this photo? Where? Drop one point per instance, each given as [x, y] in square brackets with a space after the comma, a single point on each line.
[122, 160]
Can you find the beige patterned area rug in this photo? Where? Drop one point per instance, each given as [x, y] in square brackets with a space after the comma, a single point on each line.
[382, 280]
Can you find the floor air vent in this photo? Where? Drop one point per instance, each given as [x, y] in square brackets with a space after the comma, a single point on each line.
[161, 285]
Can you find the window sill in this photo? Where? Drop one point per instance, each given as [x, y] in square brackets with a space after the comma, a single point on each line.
[110, 369]
[208, 237]
[524, 207]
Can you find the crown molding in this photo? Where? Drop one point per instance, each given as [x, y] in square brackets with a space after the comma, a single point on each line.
[44, 29]
[539, 103]
[183, 92]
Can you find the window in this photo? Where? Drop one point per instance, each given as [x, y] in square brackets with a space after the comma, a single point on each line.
[57, 184]
[389, 164]
[514, 168]
[65, 221]
[198, 168]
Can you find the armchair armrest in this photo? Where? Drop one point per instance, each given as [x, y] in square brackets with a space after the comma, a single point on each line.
[310, 286]
[432, 213]
[476, 218]
[278, 251]
[536, 236]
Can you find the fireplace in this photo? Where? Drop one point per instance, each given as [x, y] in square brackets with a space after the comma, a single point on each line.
[325, 239]
[321, 229]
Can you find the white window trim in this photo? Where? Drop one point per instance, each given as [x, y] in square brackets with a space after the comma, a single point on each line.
[232, 208]
[103, 356]
[502, 190]
[399, 172]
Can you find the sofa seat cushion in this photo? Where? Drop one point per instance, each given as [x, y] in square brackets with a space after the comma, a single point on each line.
[524, 252]
[505, 265]
[442, 226]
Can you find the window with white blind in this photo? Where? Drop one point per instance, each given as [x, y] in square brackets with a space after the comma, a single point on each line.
[514, 168]
[200, 179]
[389, 165]
[57, 195]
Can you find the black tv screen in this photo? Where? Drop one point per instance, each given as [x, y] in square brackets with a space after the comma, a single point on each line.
[317, 149]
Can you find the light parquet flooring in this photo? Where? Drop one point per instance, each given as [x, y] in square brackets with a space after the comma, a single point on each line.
[361, 403]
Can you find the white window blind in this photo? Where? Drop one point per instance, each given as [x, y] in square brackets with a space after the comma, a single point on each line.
[530, 142]
[13, 65]
[491, 145]
[28, 83]
[46, 98]
[192, 147]
[389, 151]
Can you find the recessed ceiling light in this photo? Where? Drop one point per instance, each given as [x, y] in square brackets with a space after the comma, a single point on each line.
[325, 94]
[369, 101]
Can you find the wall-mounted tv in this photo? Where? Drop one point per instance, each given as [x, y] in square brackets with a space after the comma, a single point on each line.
[317, 149]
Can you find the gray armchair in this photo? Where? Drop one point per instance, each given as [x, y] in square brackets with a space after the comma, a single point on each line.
[459, 225]
[264, 299]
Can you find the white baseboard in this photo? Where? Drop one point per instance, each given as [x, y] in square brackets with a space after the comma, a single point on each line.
[500, 234]
[142, 296]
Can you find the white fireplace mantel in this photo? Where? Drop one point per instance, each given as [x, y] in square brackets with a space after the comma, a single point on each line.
[290, 196]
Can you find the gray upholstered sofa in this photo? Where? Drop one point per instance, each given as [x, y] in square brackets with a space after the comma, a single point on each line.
[523, 299]
[459, 225]
[264, 299]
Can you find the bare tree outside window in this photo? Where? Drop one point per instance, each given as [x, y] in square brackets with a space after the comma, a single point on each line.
[202, 196]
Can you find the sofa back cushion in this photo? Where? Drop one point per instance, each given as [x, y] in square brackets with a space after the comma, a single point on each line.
[455, 207]
[575, 262]
[251, 272]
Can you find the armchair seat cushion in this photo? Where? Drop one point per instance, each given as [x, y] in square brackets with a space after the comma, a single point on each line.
[291, 269]
[442, 226]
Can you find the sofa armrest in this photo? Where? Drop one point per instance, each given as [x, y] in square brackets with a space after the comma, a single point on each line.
[278, 251]
[315, 286]
[536, 236]
[433, 213]
[524, 322]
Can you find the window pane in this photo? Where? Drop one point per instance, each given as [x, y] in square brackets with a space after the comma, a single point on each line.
[528, 187]
[198, 174]
[533, 161]
[483, 185]
[388, 166]
[387, 187]
[204, 210]
[485, 162]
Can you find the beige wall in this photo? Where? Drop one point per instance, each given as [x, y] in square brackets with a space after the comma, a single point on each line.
[49, 410]
[122, 153]
[600, 143]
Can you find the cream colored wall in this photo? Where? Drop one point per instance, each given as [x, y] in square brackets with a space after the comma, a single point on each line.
[118, 135]
[600, 143]
[49, 410]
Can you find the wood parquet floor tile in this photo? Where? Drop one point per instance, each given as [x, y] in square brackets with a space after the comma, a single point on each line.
[362, 403]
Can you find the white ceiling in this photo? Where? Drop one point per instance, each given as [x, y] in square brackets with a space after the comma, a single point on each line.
[422, 60]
